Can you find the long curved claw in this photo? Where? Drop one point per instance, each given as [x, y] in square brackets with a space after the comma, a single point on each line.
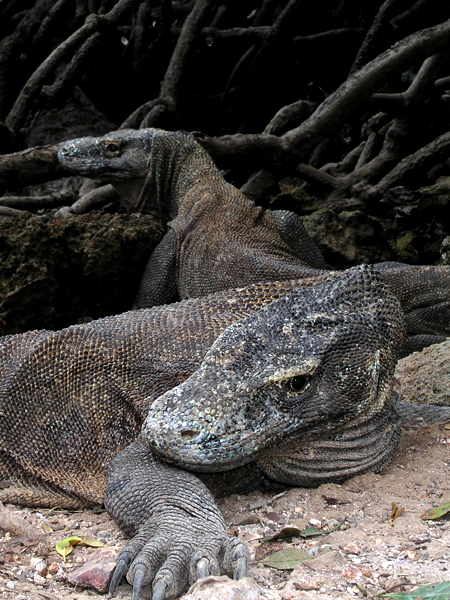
[159, 590]
[119, 572]
[202, 568]
[139, 574]
[240, 568]
[236, 559]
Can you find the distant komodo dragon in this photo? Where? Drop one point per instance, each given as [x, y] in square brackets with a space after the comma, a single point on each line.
[217, 238]
[289, 381]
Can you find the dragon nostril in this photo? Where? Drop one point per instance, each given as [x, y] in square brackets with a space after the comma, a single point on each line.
[189, 433]
[67, 151]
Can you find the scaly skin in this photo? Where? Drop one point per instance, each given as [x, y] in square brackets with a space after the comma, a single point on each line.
[310, 366]
[72, 404]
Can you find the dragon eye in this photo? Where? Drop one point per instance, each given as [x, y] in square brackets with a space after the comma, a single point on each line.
[297, 383]
[112, 147]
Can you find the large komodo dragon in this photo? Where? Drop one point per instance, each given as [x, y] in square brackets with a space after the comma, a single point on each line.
[298, 390]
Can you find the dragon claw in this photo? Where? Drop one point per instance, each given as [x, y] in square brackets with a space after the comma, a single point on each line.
[240, 568]
[202, 568]
[138, 580]
[159, 590]
[119, 572]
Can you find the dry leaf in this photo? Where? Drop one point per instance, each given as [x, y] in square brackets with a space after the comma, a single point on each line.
[396, 512]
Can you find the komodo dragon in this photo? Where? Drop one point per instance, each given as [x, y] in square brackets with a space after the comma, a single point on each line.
[297, 388]
[217, 239]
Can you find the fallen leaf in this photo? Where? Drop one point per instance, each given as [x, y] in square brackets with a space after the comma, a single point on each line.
[65, 546]
[287, 532]
[436, 512]
[395, 514]
[288, 558]
[90, 541]
[432, 591]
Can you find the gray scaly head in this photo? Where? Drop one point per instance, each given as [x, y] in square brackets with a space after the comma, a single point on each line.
[150, 168]
[119, 155]
[308, 365]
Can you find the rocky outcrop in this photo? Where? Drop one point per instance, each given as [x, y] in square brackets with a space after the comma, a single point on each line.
[56, 273]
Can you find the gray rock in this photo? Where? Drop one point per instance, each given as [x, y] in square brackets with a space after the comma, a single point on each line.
[424, 377]
[223, 588]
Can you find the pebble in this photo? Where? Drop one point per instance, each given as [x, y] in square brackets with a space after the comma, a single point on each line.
[351, 572]
[38, 580]
[315, 522]
[352, 548]
[41, 568]
[53, 568]
[105, 533]
[258, 504]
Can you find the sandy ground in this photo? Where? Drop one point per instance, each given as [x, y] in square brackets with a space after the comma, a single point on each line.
[367, 555]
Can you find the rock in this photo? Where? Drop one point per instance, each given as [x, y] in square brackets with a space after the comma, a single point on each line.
[352, 548]
[351, 573]
[52, 274]
[424, 377]
[96, 572]
[223, 588]
[348, 238]
[16, 525]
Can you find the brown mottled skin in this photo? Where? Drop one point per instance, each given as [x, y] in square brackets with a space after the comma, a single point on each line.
[288, 380]
[217, 238]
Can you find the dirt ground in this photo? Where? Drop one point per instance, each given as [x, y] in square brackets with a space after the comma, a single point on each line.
[367, 555]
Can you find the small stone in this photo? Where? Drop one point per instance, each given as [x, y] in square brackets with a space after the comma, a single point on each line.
[351, 573]
[315, 522]
[251, 520]
[367, 572]
[305, 587]
[10, 584]
[53, 568]
[258, 504]
[352, 548]
[104, 533]
[41, 568]
[411, 555]
[38, 580]
[223, 588]
[96, 572]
